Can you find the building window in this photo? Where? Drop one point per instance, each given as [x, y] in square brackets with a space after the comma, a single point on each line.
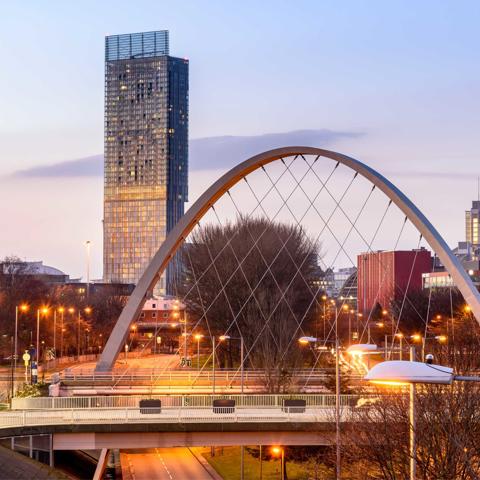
[154, 305]
[142, 315]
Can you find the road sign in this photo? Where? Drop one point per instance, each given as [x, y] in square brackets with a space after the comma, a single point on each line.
[26, 358]
[34, 372]
[186, 362]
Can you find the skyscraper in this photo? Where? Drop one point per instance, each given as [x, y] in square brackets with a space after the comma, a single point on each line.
[472, 219]
[146, 150]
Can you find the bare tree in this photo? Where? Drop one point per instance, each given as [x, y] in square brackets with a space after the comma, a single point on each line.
[447, 432]
[253, 278]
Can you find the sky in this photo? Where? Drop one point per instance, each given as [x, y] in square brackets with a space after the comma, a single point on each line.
[397, 83]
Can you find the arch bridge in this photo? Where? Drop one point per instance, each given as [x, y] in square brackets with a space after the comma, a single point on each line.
[286, 156]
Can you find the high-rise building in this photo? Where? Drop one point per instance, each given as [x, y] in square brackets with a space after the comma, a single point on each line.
[385, 276]
[146, 151]
[472, 219]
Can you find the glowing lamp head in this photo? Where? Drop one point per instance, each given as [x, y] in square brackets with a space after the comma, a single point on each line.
[44, 310]
[71, 310]
[23, 307]
[276, 450]
[88, 310]
[306, 340]
[61, 309]
[416, 338]
[467, 309]
[324, 298]
[362, 349]
[384, 312]
[399, 372]
[345, 308]
[222, 338]
[198, 336]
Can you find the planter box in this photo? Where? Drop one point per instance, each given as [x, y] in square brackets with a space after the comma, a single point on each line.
[294, 406]
[223, 406]
[150, 406]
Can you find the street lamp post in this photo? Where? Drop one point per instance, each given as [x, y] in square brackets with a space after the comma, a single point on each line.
[62, 311]
[78, 335]
[280, 452]
[198, 337]
[88, 245]
[55, 333]
[410, 373]
[213, 364]
[242, 360]
[307, 340]
[324, 298]
[23, 308]
[44, 311]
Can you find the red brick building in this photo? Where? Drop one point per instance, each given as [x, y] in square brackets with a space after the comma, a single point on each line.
[159, 325]
[384, 276]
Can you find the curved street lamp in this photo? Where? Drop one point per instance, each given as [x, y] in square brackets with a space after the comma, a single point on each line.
[398, 372]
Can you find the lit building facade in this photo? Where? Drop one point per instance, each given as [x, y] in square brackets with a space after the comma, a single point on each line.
[385, 276]
[146, 151]
[472, 218]
[160, 325]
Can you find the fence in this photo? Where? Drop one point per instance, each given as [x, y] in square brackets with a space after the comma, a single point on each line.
[99, 416]
[179, 401]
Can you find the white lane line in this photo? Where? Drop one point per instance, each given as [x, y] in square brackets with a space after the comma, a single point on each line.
[163, 463]
[130, 467]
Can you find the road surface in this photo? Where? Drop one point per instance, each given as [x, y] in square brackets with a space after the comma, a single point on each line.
[163, 464]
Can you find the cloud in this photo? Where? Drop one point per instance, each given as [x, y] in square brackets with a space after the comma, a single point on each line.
[82, 167]
[430, 174]
[211, 153]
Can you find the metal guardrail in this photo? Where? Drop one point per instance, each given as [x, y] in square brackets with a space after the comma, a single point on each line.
[101, 416]
[79, 374]
[179, 401]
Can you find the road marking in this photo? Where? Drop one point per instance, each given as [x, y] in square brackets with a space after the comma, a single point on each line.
[130, 467]
[164, 465]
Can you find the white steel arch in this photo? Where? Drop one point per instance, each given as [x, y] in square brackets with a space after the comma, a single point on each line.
[182, 229]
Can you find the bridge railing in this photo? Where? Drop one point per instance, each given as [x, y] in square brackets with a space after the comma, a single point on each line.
[133, 373]
[202, 401]
[100, 416]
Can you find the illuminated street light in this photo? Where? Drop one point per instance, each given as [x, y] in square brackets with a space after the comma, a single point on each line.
[280, 452]
[198, 337]
[23, 308]
[307, 340]
[335, 351]
[43, 310]
[362, 349]
[242, 359]
[410, 373]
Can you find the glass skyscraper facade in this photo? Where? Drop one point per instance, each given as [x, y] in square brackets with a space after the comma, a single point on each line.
[472, 220]
[146, 151]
